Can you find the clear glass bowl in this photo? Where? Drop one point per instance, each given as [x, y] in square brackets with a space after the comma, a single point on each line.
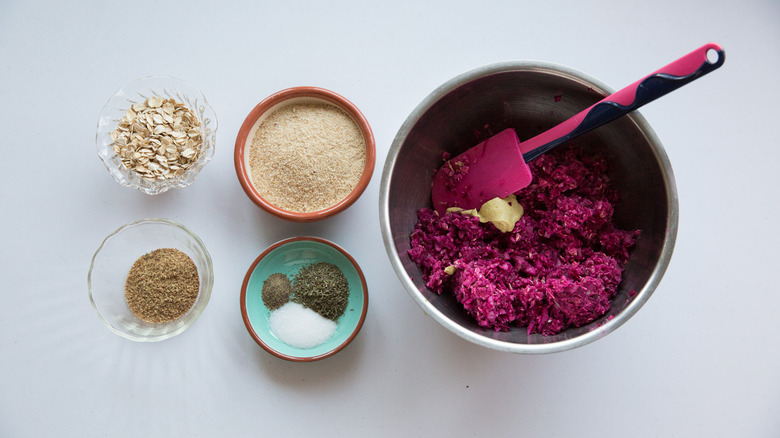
[111, 264]
[138, 91]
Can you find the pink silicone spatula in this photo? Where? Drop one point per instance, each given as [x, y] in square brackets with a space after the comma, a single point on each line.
[497, 166]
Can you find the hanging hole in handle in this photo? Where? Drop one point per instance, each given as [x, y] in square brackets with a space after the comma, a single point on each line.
[712, 56]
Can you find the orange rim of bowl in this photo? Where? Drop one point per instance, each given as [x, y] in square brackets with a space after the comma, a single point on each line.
[316, 93]
[257, 337]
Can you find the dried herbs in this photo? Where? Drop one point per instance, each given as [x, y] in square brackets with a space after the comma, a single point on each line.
[162, 285]
[323, 288]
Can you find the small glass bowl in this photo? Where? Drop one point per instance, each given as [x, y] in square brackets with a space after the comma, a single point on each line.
[138, 91]
[112, 262]
[288, 257]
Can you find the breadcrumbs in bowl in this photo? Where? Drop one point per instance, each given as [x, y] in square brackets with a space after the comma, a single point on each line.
[304, 154]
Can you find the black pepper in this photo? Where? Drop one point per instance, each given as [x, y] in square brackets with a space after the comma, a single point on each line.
[276, 291]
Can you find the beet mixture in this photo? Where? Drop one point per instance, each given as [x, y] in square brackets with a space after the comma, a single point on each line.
[559, 267]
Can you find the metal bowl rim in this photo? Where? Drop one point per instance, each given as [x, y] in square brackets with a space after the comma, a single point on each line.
[599, 332]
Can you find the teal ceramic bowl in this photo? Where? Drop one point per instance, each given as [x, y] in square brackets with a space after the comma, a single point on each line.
[288, 257]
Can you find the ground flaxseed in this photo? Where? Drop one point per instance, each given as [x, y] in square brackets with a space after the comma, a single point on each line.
[162, 285]
[306, 157]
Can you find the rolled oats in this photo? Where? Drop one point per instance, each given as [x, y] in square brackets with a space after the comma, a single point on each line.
[158, 138]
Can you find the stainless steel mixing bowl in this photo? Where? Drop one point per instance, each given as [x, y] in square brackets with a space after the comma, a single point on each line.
[529, 97]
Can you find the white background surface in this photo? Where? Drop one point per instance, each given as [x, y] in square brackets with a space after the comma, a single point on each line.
[701, 358]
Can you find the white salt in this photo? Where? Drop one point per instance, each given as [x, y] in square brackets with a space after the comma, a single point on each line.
[301, 327]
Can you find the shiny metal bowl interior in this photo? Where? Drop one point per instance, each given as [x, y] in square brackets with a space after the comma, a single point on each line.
[529, 97]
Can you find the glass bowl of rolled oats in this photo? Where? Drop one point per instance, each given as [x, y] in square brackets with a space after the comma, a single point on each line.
[156, 133]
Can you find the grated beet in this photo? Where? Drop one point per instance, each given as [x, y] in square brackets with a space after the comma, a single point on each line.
[558, 268]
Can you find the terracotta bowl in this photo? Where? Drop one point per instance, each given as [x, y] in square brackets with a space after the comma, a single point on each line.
[267, 107]
[288, 257]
